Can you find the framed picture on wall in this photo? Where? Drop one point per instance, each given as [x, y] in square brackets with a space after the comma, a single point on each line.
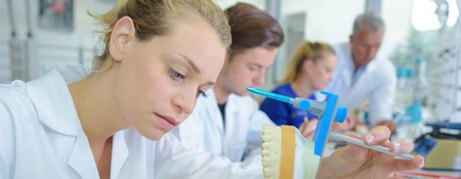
[56, 15]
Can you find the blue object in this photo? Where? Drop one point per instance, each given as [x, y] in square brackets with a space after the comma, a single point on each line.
[271, 95]
[446, 125]
[325, 110]
[414, 111]
[298, 102]
[324, 125]
[426, 146]
[282, 113]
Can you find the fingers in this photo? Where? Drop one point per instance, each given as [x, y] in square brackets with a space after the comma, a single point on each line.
[308, 128]
[403, 146]
[405, 165]
[303, 127]
[354, 153]
[346, 126]
[379, 134]
[390, 124]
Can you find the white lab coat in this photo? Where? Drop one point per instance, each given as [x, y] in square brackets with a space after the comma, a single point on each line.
[205, 147]
[377, 84]
[41, 136]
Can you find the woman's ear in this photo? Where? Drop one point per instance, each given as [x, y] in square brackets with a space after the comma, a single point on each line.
[122, 33]
[308, 65]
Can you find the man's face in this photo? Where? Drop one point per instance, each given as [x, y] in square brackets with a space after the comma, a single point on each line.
[365, 44]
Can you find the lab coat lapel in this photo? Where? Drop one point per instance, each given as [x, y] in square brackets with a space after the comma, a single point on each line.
[346, 74]
[232, 112]
[120, 154]
[51, 97]
[214, 113]
[65, 124]
[80, 161]
[363, 79]
[231, 137]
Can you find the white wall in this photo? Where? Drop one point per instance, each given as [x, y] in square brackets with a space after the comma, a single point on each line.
[54, 47]
[5, 29]
[84, 25]
[49, 46]
[331, 21]
[227, 3]
[327, 20]
[397, 16]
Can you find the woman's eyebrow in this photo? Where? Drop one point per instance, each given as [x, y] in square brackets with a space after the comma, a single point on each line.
[190, 62]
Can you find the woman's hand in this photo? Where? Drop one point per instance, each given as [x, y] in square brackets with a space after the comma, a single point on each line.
[348, 125]
[354, 161]
[389, 124]
[307, 128]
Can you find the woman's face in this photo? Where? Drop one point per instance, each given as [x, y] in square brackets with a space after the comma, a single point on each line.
[158, 81]
[321, 71]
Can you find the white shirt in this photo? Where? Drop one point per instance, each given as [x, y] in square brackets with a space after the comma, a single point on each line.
[41, 136]
[377, 84]
[208, 148]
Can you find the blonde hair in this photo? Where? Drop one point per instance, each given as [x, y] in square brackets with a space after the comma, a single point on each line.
[306, 51]
[156, 17]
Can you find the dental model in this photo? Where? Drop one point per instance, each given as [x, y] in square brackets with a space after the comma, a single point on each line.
[287, 154]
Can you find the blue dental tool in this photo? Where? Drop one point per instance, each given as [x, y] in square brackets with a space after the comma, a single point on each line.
[325, 111]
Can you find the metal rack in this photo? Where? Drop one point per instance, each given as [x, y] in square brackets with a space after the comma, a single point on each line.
[445, 76]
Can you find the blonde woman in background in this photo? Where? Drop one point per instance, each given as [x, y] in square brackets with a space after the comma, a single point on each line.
[310, 70]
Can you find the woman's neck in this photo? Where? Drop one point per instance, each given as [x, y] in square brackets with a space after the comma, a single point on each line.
[96, 107]
[302, 88]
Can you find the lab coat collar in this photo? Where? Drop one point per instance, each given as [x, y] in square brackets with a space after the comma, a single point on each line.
[210, 97]
[232, 104]
[52, 91]
[119, 154]
[51, 94]
[210, 103]
[347, 77]
[368, 67]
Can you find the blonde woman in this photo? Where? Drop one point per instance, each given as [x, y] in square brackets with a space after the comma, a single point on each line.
[310, 70]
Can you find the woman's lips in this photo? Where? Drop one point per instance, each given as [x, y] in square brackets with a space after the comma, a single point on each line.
[168, 122]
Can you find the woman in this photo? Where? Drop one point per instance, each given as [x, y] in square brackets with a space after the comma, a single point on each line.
[159, 57]
[310, 70]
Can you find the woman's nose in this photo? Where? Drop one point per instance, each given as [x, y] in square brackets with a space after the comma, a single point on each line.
[185, 103]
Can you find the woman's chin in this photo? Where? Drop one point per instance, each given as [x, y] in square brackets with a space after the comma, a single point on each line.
[155, 134]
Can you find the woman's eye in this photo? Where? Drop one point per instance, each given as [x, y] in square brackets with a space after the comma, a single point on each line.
[176, 75]
[200, 93]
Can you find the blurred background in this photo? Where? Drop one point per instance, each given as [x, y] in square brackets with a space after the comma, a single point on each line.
[422, 39]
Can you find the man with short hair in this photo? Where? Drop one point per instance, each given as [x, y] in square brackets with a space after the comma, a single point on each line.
[364, 76]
